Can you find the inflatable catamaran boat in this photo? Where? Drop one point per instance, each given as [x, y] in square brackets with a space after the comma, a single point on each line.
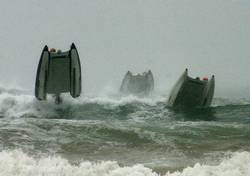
[192, 92]
[140, 84]
[58, 72]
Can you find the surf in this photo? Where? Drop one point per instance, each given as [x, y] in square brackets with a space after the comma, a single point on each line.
[16, 162]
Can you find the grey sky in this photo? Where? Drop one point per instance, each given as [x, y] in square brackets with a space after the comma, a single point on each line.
[113, 36]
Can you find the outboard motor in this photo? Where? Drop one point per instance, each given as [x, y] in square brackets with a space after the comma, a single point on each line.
[58, 72]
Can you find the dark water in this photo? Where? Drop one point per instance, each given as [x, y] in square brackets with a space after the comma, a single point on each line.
[126, 130]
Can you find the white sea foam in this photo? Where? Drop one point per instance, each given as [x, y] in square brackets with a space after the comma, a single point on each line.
[237, 165]
[121, 100]
[17, 163]
[17, 105]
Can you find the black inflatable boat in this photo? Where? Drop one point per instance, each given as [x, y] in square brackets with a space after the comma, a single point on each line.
[192, 92]
[58, 72]
[139, 85]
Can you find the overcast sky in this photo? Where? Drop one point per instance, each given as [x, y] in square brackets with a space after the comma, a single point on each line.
[113, 36]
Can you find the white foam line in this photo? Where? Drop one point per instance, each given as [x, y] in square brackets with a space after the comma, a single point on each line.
[237, 165]
[18, 163]
[17, 105]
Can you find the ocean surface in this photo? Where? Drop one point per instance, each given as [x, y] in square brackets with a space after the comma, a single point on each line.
[121, 136]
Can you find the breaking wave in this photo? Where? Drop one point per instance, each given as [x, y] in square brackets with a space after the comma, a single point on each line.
[18, 163]
[18, 103]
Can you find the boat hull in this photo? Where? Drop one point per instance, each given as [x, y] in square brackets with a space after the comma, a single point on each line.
[139, 85]
[58, 73]
[190, 92]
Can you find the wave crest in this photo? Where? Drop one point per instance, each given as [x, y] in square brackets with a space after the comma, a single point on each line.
[19, 105]
[237, 165]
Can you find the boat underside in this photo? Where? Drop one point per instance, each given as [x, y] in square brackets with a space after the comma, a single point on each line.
[190, 92]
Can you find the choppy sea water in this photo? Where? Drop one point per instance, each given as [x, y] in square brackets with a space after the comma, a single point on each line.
[122, 136]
